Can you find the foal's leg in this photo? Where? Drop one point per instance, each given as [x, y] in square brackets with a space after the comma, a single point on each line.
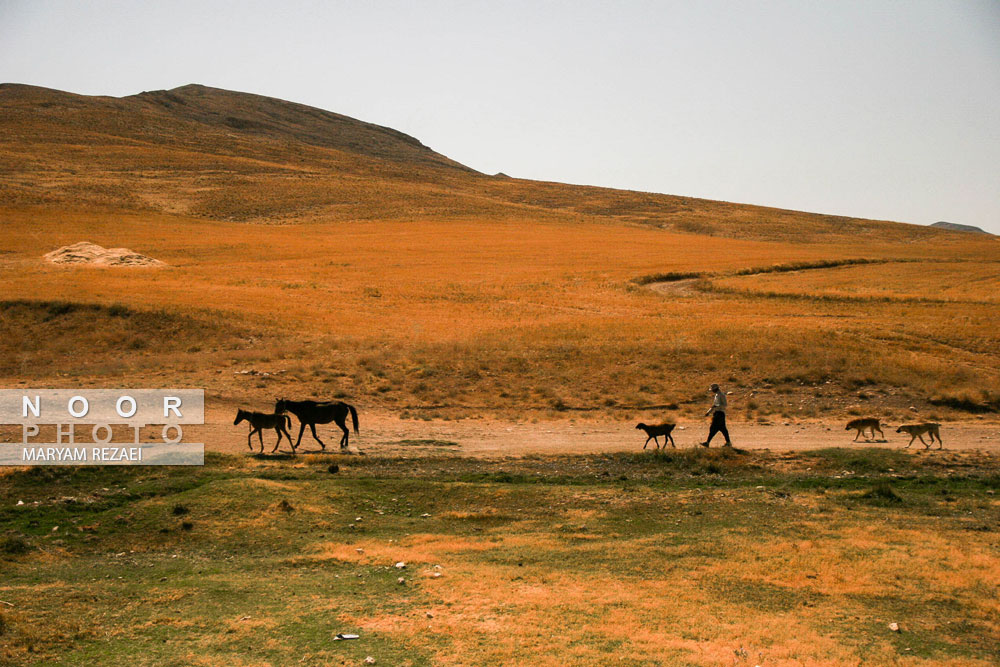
[260, 435]
[645, 444]
[312, 427]
[671, 436]
[250, 435]
[281, 430]
[277, 429]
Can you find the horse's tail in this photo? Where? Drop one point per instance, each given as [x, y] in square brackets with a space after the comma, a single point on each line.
[354, 416]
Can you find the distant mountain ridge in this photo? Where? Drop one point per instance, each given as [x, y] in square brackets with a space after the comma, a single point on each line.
[216, 109]
[956, 227]
[211, 153]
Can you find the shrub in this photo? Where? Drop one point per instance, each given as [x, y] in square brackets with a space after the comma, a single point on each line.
[15, 545]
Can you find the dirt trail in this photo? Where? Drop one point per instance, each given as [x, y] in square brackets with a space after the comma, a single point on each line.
[386, 434]
[683, 287]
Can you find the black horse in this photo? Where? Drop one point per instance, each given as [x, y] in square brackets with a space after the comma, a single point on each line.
[319, 412]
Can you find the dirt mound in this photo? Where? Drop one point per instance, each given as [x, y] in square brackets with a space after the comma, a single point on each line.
[91, 253]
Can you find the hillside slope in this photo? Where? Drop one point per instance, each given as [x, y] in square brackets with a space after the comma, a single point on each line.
[956, 227]
[225, 155]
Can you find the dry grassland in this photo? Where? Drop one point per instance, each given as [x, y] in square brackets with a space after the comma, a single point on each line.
[508, 316]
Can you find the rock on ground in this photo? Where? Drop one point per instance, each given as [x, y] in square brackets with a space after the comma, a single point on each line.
[91, 253]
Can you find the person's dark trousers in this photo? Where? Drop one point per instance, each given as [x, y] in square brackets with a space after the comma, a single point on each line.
[718, 426]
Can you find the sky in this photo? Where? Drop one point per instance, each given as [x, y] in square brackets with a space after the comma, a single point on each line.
[873, 108]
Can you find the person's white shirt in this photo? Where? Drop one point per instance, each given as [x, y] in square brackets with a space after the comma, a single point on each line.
[719, 404]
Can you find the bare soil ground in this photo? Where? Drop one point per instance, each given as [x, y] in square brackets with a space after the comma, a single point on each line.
[384, 434]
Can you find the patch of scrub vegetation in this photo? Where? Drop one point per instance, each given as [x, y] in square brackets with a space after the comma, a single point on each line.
[669, 277]
[804, 266]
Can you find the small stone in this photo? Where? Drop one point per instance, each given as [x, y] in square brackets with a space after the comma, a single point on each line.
[425, 515]
[894, 627]
[369, 660]
[401, 581]
[430, 615]
[400, 565]
[360, 551]
[20, 502]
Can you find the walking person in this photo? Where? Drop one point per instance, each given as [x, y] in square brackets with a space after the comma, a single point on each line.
[718, 412]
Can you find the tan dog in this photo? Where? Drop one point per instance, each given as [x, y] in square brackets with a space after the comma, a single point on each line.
[860, 425]
[918, 430]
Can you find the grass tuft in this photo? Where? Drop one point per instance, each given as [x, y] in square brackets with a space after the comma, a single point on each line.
[882, 493]
[15, 546]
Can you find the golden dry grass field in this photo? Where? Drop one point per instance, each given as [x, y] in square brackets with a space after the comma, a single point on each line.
[312, 255]
[508, 316]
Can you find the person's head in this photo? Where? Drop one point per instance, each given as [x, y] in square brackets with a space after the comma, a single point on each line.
[714, 388]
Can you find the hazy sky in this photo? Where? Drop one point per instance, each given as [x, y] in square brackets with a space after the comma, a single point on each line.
[871, 108]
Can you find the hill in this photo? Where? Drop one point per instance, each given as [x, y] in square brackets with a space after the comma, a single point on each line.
[378, 270]
[224, 155]
[956, 227]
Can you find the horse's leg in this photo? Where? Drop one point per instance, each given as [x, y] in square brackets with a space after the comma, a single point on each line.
[260, 436]
[279, 439]
[671, 436]
[312, 427]
[287, 435]
[646, 444]
[250, 435]
[341, 421]
[302, 427]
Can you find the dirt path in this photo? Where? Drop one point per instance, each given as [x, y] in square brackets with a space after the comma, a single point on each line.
[386, 434]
